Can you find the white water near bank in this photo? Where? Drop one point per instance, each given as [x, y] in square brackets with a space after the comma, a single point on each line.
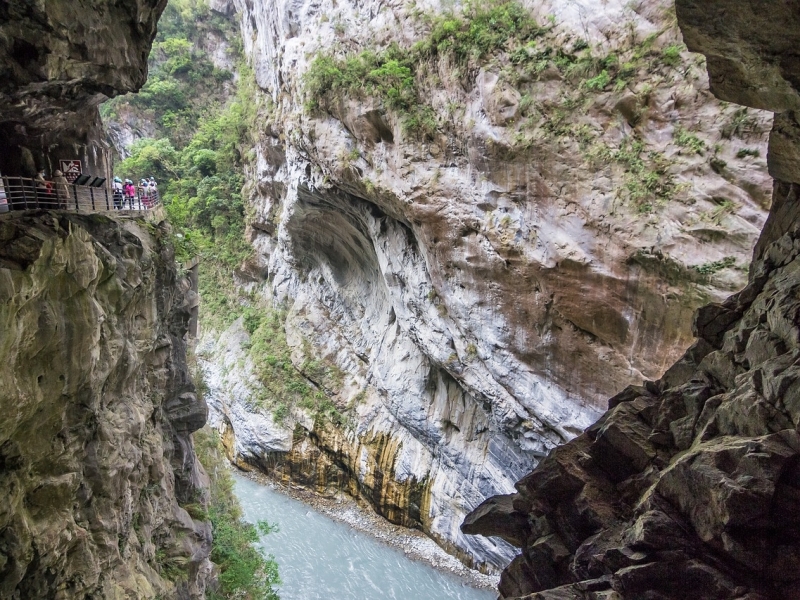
[322, 559]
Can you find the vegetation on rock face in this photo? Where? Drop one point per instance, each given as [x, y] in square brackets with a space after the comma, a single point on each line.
[710, 268]
[392, 74]
[201, 190]
[741, 125]
[500, 36]
[282, 386]
[689, 140]
[201, 186]
[244, 571]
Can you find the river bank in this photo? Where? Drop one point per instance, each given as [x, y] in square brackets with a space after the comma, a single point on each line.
[414, 544]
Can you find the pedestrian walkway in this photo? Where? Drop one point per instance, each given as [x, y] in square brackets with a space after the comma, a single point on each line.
[22, 193]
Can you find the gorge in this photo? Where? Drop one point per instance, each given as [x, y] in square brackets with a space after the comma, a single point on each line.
[466, 294]
[433, 241]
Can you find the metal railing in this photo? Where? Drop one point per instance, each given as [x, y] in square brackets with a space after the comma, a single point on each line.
[22, 193]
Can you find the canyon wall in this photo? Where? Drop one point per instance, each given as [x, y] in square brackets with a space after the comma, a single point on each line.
[689, 485]
[467, 281]
[97, 459]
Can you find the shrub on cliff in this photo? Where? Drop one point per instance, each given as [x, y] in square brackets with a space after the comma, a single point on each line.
[391, 75]
[282, 386]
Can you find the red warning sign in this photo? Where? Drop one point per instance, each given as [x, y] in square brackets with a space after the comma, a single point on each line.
[72, 169]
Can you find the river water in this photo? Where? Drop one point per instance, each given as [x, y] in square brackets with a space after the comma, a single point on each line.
[321, 559]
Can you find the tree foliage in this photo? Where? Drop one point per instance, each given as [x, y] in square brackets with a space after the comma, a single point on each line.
[183, 81]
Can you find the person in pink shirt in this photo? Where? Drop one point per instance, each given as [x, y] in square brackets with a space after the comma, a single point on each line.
[130, 192]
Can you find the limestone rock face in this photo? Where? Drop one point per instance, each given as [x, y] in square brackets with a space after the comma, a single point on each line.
[96, 457]
[688, 486]
[485, 289]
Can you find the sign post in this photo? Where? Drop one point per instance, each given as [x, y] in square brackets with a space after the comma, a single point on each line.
[72, 169]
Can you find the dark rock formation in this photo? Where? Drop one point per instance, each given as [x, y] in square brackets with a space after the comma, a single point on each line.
[689, 487]
[96, 459]
[58, 62]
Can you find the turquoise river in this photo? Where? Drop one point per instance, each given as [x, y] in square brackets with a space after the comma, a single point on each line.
[322, 559]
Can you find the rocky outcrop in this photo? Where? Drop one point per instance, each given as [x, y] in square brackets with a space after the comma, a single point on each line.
[59, 61]
[125, 129]
[484, 288]
[688, 486]
[690, 482]
[98, 408]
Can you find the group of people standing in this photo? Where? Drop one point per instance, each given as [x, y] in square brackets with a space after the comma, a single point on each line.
[21, 193]
[54, 192]
[127, 194]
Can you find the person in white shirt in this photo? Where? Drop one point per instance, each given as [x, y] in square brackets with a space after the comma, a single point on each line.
[153, 189]
[119, 198]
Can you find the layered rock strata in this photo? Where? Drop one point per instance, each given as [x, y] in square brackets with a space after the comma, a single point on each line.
[482, 290]
[96, 458]
[689, 486]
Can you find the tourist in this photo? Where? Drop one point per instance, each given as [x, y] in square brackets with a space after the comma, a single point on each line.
[130, 192]
[119, 196]
[41, 182]
[4, 206]
[44, 191]
[144, 198]
[62, 188]
[153, 190]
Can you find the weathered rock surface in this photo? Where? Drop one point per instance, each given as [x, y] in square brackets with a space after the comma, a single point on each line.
[96, 457]
[688, 486]
[689, 483]
[481, 295]
[58, 62]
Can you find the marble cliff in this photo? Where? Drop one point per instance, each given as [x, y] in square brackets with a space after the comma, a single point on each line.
[689, 485]
[464, 280]
[470, 289]
[96, 458]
